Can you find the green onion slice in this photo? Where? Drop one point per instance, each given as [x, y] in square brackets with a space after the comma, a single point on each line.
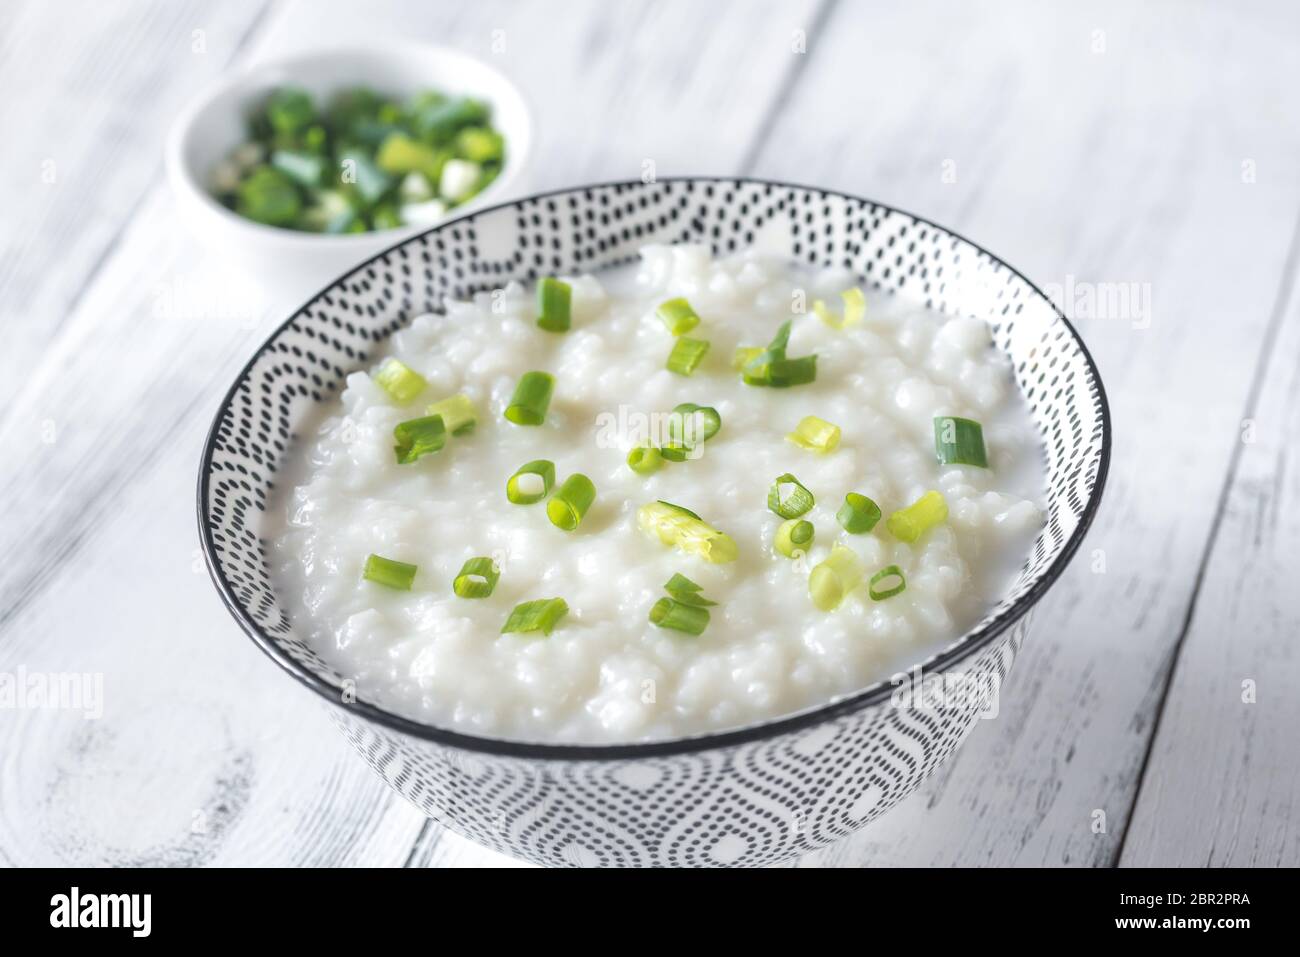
[858, 514]
[531, 482]
[675, 452]
[531, 399]
[570, 502]
[816, 435]
[794, 537]
[686, 591]
[417, 437]
[538, 615]
[880, 593]
[909, 524]
[770, 367]
[458, 413]
[682, 529]
[959, 442]
[744, 355]
[477, 578]
[834, 578]
[389, 573]
[855, 307]
[553, 309]
[686, 355]
[690, 424]
[678, 316]
[788, 498]
[399, 380]
[644, 460]
[671, 613]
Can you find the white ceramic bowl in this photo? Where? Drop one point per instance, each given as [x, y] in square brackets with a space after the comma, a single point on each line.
[214, 124]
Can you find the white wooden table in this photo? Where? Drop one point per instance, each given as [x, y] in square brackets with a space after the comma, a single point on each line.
[1152, 717]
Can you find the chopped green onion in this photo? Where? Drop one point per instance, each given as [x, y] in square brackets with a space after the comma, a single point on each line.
[675, 452]
[268, 196]
[671, 613]
[458, 413]
[683, 529]
[686, 591]
[644, 459]
[680, 508]
[770, 367]
[690, 424]
[834, 578]
[816, 435]
[855, 307]
[553, 312]
[531, 482]
[417, 437]
[477, 578]
[959, 442]
[794, 537]
[399, 381]
[909, 524]
[538, 615]
[686, 355]
[889, 571]
[788, 498]
[389, 573]
[744, 355]
[858, 514]
[571, 501]
[678, 316]
[531, 399]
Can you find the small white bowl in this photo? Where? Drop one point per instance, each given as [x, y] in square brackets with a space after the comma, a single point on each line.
[207, 130]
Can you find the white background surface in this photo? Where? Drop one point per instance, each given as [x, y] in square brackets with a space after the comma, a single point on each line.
[1156, 144]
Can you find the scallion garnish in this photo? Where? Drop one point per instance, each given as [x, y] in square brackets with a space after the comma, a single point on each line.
[858, 514]
[570, 502]
[690, 424]
[959, 442]
[744, 355]
[788, 498]
[770, 367]
[888, 591]
[909, 524]
[794, 537]
[531, 482]
[531, 399]
[553, 298]
[458, 413]
[671, 613]
[674, 452]
[686, 355]
[417, 437]
[686, 591]
[644, 459]
[399, 381]
[816, 435]
[678, 316]
[542, 614]
[389, 573]
[477, 578]
[834, 578]
[683, 529]
[855, 307]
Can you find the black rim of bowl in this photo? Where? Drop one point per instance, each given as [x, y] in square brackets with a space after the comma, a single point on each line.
[962, 648]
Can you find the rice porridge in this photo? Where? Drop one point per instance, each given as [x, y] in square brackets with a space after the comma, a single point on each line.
[657, 574]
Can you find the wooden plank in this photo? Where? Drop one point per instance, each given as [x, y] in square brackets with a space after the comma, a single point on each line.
[1222, 784]
[91, 88]
[98, 478]
[1089, 146]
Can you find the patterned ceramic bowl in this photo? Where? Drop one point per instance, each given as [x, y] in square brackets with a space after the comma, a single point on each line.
[755, 795]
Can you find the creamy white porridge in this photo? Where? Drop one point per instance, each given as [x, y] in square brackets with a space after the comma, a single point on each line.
[606, 672]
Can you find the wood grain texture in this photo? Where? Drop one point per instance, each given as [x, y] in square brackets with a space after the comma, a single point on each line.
[1124, 164]
[205, 753]
[1222, 785]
